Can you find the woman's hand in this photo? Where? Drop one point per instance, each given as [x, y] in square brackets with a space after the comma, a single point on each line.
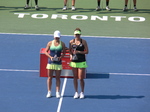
[76, 52]
[70, 57]
[51, 57]
[59, 58]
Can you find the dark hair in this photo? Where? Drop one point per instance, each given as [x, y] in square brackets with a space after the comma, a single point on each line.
[77, 29]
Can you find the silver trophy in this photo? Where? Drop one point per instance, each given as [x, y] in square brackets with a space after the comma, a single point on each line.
[55, 58]
[74, 56]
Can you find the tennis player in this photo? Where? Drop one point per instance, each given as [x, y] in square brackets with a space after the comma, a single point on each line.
[98, 5]
[126, 8]
[78, 49]
[57, 51]
[73, 5]
[27, 5]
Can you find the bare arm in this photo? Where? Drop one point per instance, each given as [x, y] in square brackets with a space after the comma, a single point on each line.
[70, 49]
[63, 50]
[47, 49]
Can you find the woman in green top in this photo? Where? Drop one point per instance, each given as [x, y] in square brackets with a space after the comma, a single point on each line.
[57, 51]
[78, 49]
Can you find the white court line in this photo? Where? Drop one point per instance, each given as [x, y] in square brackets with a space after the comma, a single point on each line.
[62, 94]
[129, 74]
[81, 36]
[19, 70]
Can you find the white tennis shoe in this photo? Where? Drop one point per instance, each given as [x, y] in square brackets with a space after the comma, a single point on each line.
[57, 95]
[26, 6]
[73, 8]
[81, 95]
[76, 95]
[65, 8]
[135, 9]
[125, 8]
[107, 8]
[37, 7]
[98, 8]
[49, 94]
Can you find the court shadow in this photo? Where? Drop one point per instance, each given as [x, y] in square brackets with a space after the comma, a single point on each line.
[9, 8]
[33, 9]
[97, 75]
[78, 10]
[111, 97]
[120, 11]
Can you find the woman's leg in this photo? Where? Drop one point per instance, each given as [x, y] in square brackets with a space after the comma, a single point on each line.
[49, 82]
[58, 72]
[75, 75]
[81, 75]
[49, 79]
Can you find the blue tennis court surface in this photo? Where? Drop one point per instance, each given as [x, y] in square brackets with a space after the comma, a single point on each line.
[118, 76]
